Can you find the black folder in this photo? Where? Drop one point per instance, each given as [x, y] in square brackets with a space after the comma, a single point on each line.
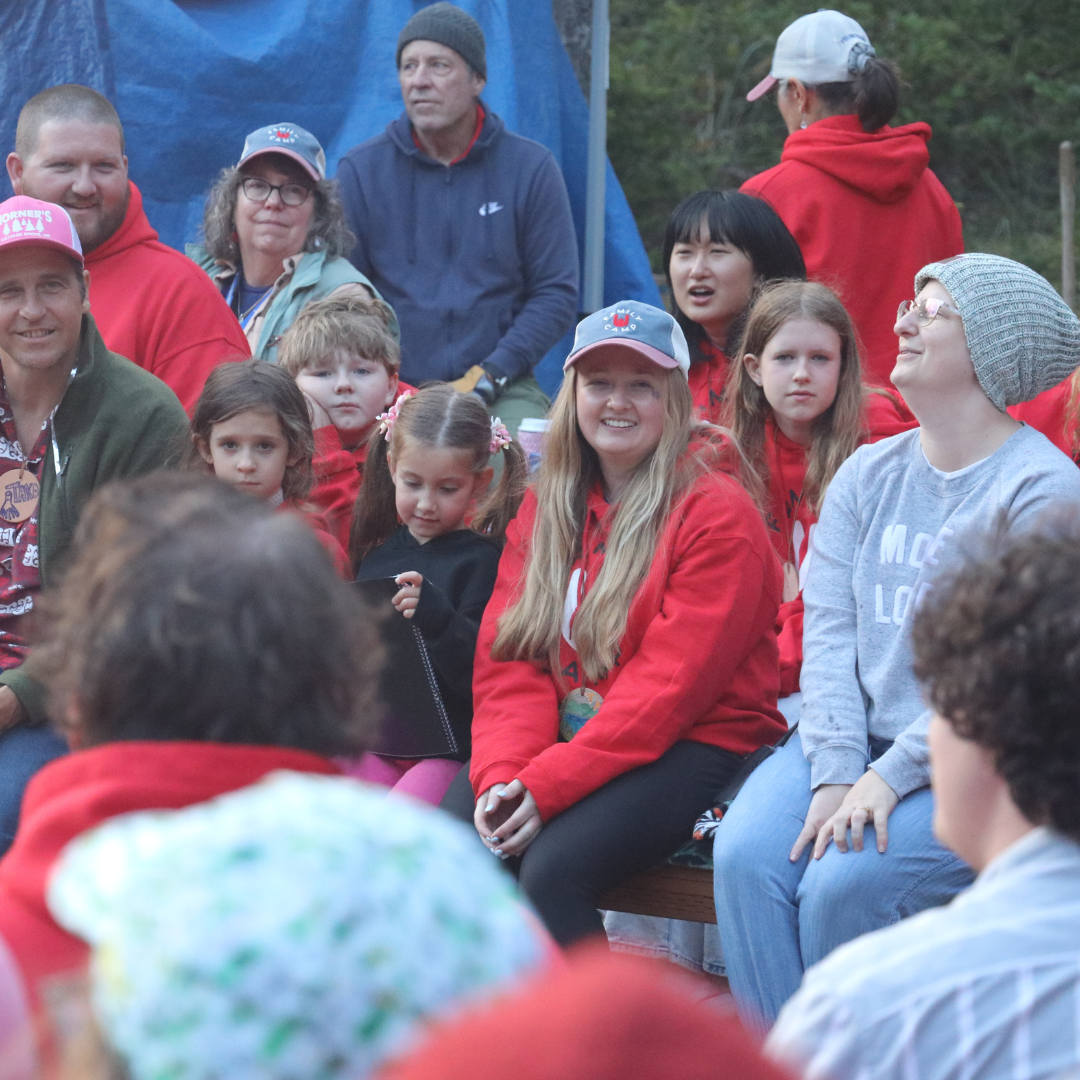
[415, 723]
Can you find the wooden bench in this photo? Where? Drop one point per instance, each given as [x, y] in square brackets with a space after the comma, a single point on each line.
[667, 892]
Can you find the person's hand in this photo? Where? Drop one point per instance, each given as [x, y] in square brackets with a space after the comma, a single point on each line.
[823, 805]
[11, 710]
[507, 819]
[407, 597]
[319, 416]
[870, 799]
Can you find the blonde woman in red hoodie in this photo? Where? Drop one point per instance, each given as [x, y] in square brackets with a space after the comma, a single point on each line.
[627, 661]
[857, 194]
[798, 408]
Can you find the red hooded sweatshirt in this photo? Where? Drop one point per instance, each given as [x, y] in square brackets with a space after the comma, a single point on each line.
[157, 308]
[338, 476]
[707, 377]
[868, 214]
[698, 660]
[1046, 413]
[83, 789]
[792, 522]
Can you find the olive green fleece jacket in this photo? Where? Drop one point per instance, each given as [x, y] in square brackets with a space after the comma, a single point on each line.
[115, 420]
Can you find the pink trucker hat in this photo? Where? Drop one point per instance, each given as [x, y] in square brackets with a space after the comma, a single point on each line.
[30, 221]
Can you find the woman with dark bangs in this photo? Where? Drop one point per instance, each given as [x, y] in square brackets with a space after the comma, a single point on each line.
[720, 247]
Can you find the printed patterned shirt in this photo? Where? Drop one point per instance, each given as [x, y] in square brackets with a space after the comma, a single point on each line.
[20, 576]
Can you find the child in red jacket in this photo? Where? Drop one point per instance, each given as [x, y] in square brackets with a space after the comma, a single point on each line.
[798, 408]
[251, 429]
[627, 661]
[345, 360]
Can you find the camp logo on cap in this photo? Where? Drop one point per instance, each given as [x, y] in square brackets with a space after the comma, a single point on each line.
[622, 320]
[282, 134]
[17, 221]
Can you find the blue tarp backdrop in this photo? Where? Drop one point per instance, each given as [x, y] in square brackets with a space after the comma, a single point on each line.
[191, 78]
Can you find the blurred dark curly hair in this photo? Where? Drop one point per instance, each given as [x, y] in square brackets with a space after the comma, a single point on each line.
[997, 647]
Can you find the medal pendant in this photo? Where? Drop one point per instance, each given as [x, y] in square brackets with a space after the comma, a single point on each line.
[19, 494]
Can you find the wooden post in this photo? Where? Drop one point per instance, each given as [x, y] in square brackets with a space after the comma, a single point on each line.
[1068, 222]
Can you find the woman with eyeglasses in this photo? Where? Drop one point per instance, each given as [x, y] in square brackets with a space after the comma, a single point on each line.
[275, 235]
[831, 837]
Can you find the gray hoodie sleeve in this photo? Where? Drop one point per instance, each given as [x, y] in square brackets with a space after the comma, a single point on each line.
[832, 723]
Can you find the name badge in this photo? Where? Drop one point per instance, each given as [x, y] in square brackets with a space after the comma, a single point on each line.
[578, 707]
[19, 494]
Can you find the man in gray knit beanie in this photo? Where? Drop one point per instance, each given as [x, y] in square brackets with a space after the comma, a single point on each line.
[448, 25]
[1023, 337]
[464, 225]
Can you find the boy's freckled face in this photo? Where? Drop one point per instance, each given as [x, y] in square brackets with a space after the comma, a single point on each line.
[352, 390]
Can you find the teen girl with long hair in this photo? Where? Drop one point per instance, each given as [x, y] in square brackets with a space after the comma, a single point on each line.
[627, 661]
[798, 408]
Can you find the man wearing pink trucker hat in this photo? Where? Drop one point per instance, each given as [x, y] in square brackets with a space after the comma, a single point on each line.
[73, 416]
[151, 304]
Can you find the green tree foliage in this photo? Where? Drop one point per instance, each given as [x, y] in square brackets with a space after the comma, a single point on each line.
[998, 80]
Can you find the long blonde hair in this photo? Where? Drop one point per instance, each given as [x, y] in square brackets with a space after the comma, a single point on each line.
[530, 627]
[838, 431]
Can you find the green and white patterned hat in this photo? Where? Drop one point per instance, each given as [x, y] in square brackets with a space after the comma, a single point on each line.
[304, 927]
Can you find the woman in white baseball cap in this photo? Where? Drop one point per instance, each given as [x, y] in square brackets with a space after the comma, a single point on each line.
[857, 194]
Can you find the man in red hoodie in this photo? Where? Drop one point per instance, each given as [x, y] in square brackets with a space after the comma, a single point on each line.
[150, 302]
[856, 194]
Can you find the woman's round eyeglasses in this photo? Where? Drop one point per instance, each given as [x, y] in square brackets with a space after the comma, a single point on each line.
[926, 311]
[259, 190]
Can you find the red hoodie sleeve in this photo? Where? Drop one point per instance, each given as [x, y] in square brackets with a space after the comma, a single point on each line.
[337, 482]
[719, 599]
[789, 631]
[886, 414]
[516, 705]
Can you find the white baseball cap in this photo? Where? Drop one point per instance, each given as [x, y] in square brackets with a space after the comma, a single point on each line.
[824, 47]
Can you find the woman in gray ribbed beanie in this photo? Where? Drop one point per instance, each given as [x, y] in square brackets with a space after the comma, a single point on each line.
[1022, 336]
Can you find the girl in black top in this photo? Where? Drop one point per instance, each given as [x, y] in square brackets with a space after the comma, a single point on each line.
[427, 466]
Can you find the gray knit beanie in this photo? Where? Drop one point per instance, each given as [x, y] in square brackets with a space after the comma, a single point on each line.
[450, 26]
[1023, 337]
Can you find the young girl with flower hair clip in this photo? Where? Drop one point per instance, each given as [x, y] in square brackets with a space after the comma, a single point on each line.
[426, 519]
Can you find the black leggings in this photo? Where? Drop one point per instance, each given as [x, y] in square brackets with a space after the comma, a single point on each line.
[627, 826]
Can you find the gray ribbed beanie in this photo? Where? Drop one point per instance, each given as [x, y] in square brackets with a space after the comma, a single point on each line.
[1023, 337]
[450, 26]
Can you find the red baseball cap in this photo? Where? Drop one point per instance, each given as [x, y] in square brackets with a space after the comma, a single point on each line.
[30, 221]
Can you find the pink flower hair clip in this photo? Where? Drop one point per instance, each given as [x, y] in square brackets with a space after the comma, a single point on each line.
[500, 437]
[389, 418]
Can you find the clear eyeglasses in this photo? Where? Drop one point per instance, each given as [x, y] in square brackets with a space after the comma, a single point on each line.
[259, 190]
[926, 311]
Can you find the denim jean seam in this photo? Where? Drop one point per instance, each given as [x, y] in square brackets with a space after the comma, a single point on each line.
[947, 864]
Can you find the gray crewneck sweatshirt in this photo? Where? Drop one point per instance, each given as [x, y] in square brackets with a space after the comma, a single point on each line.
[890, 523]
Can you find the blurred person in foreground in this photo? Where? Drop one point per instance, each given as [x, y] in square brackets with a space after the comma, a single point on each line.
[603, 1017]
[198, 642]
[989, 986]
[304, 928]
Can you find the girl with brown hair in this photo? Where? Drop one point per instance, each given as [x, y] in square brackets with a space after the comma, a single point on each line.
[418, 521]
[798, 408]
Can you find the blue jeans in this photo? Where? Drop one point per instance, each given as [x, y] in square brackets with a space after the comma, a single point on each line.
[23, 750]
[777, 918]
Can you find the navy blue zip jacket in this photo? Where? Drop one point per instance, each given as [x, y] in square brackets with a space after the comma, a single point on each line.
[478, 259]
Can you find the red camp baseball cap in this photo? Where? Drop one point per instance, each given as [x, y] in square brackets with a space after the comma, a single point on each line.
[30, 221]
